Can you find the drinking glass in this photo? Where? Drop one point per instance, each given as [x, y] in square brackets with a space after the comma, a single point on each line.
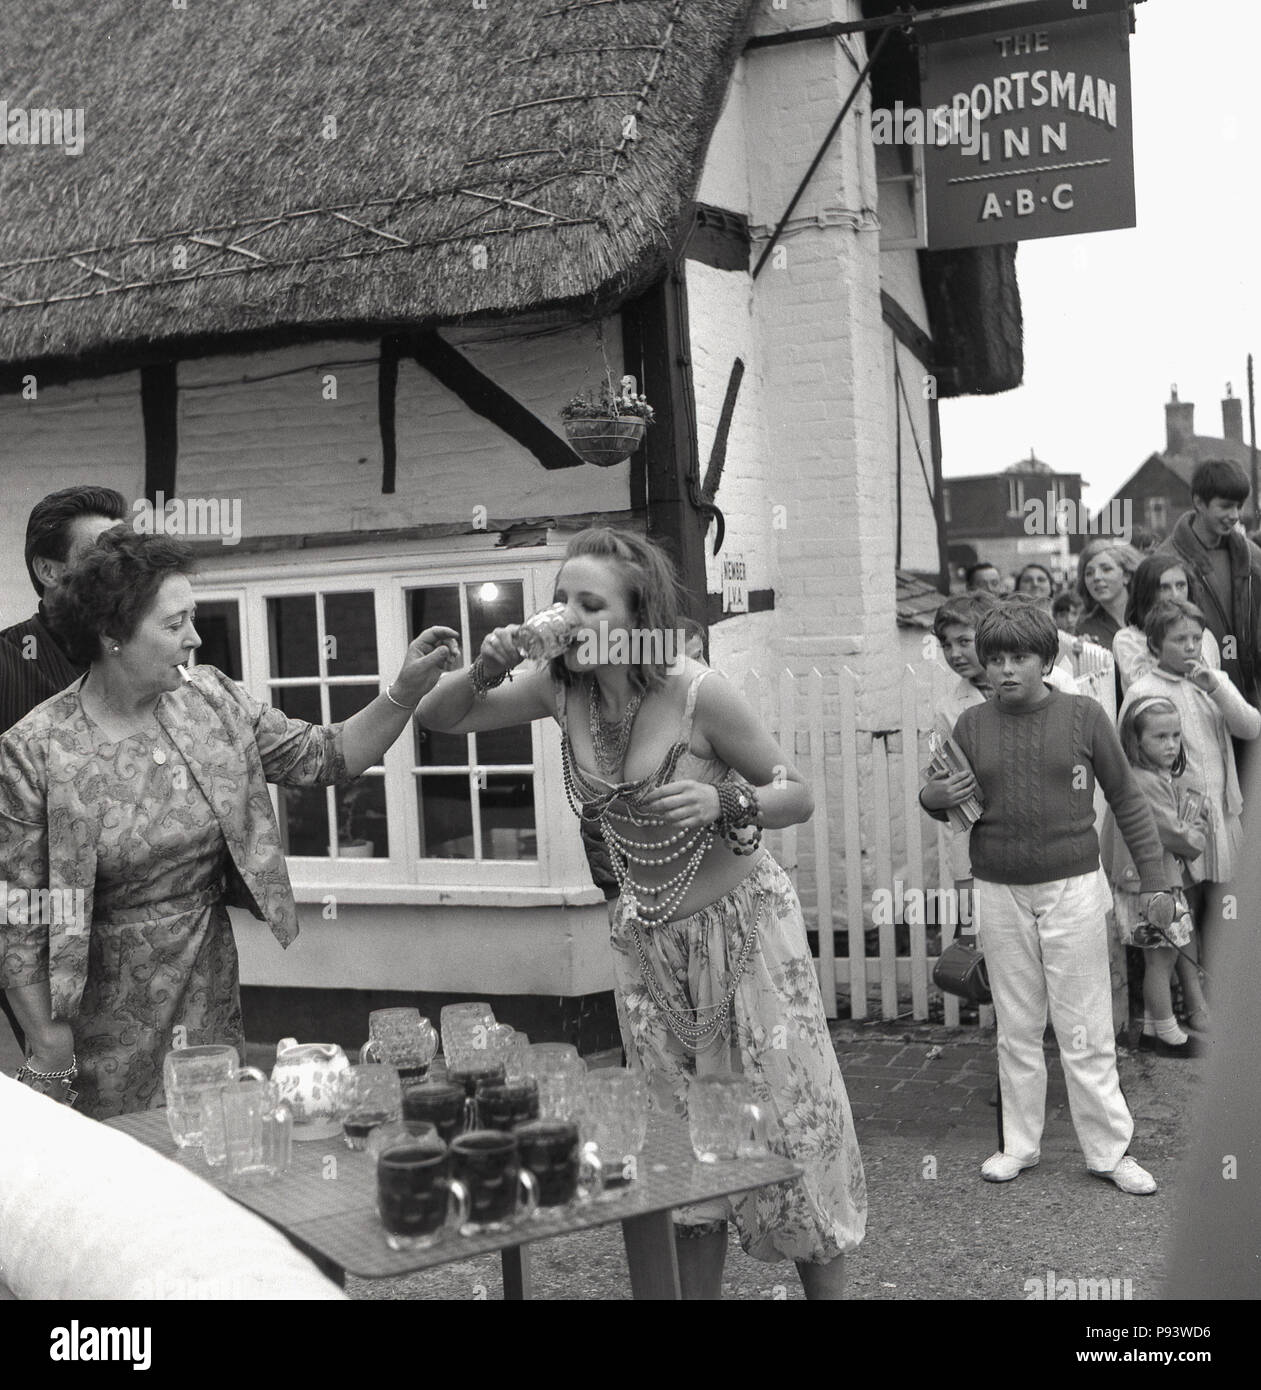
[367, 1096]
[186, 1073]
[561, 1075]
[397, 1131]
[723, 1120]
[440, 1103]
[416, 1199]
[503, 1104]
[488, 1163]
[464, 1029]
[404, 1039]
[214, 1140]
[256, 1127]
[616, 1120]
[564, 1169]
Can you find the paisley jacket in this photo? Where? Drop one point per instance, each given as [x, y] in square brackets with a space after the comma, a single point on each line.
[50, 806]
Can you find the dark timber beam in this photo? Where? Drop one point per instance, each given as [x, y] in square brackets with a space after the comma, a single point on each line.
[159, 410]
[492, 402]
[654, 339]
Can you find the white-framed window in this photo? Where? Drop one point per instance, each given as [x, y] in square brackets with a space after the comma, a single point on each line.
[1015, 496]
[945, 505]
[319, 639]
[1157, 513]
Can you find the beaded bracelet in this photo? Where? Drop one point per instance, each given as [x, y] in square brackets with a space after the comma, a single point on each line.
[738, 811]
[482, 683]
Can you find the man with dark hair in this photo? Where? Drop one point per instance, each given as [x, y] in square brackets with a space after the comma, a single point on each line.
[33, 666]
[59, 530]
[1227, 566]
[983, 577]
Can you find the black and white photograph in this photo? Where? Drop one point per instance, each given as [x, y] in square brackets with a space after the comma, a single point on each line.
[630, 665]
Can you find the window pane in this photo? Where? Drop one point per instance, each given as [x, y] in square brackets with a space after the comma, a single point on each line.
[434, 749]
[497, 746]
[299, 702]
[218, 625]
[345, 700]
[491, 604]
[507, 813]
[292, 636]
[433, 607]
[362, 828]
[446, 817]
[350, 633]
[304, 827]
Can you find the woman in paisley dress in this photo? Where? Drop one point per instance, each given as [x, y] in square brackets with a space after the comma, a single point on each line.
[133, 807]
[710, 957]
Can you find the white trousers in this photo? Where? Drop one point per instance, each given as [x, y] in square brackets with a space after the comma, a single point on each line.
[1047, 944]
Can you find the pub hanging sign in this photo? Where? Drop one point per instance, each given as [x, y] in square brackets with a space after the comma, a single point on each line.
[1037, 136]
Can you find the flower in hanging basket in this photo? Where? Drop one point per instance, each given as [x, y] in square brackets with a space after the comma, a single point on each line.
[606, 428]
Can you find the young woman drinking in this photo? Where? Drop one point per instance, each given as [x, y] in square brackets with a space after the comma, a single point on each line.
[709, 945]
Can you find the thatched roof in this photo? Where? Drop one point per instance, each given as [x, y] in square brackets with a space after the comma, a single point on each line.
[562, 137]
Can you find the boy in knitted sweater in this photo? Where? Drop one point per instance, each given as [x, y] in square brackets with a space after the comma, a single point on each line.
[1041, 904]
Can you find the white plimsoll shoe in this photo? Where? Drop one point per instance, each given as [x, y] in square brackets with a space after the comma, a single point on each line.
[1001, 1167]
[1130, 1178]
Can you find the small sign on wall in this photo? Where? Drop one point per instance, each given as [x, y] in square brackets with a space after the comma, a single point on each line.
[735, 587]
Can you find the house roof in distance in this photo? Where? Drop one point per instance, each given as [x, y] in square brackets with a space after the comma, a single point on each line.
[215, 195]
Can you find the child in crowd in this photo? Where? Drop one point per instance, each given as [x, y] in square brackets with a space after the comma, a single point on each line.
[1211, 710]
[1158, 577]
[1065, 610]
[1151, 734]
[1035, 753]
[954, 627]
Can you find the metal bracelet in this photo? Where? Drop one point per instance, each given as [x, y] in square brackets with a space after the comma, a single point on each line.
[386, 692]
[26, 1072]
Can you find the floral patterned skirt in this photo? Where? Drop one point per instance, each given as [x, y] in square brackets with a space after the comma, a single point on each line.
[159, 973]
[777, 1035]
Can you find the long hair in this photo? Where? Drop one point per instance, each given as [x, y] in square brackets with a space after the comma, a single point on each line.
[1126, 556]
[1133, 723]
[652, 590]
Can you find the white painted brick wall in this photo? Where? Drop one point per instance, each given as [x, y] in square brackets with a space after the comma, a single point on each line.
[91, 433]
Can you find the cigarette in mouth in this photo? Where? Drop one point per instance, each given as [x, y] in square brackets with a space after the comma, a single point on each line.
[184, 675]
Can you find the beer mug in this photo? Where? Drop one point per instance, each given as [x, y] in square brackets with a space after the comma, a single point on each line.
[404, 1039]
[616, 1120]
[500, 1189]
[548, 633]
[367, 1096]
[417, 1201]
[253, 1125]
[566, 1170]
[187, 1072]
[723, 1120]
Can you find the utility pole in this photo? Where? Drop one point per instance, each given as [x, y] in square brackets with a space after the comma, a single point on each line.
[1252, 441]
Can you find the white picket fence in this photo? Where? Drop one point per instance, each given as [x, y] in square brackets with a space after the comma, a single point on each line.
[893, 759]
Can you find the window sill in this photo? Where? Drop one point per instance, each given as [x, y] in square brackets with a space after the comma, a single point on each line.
[437, 895]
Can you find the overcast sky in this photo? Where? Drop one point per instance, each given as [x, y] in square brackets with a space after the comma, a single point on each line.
[1111, 319]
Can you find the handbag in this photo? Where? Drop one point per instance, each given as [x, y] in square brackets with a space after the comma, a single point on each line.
[961, 970]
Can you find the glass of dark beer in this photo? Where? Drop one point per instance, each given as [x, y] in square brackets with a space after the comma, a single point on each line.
[417, 1200]
[565, 1170]
[441, 1103]
[499, 1189]
[367, 1096]
[503, 1104]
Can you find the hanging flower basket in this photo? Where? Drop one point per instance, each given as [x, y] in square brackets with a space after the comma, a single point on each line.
[607, 428]
[603, 439]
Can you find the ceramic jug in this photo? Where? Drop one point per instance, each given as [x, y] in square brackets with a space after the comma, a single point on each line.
[306, 1076]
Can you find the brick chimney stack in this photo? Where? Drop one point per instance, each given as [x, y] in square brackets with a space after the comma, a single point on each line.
[1179, 423]
[1232, 416]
